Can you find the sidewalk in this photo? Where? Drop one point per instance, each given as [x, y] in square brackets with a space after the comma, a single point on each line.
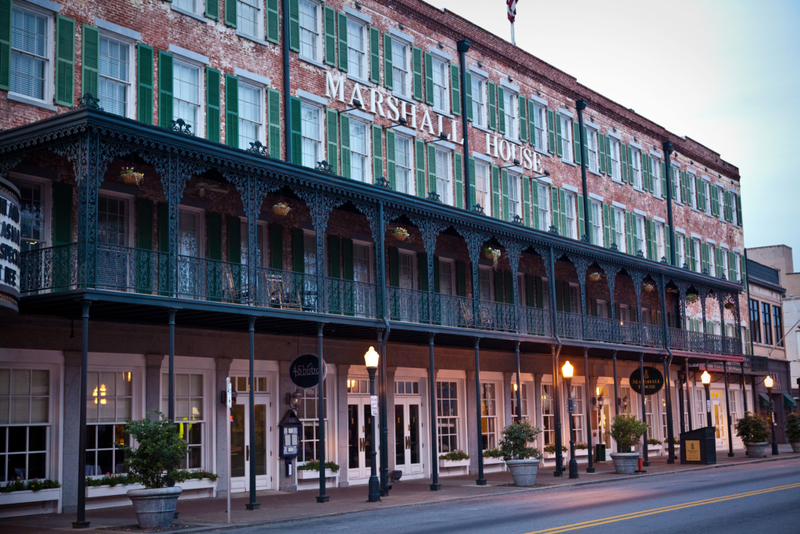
[209, 514]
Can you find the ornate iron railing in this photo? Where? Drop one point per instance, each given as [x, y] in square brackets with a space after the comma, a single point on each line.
[451, 310]
[651, 336]
[348, 297]
[535, 321]
[569, 325]
[409, 305]
[677, 338]
[599, 329]
[130, 269]
[287, 290]
[496, 316]
[48, 270]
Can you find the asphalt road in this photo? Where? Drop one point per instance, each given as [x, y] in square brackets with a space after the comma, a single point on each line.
[761, 498]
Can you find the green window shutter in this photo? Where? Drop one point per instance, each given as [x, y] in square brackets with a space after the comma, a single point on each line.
[523, 118]
[432, 168]
[416, 69]
[344, 144]
[472, 200]
[648, 235]
[144, 223]
[62, 213]
[530, 291]
[422, 269]
[144, 83]
[374, 55]
[631, 172]
[298, 251]
[629, 234]
[663, 179]
[667, 242]
[274, 140]
[297, 129]
[5, 44]
[609, 161]
[213, 125]
[348, 270]
[701, 193]
[576, 143]
[501, 110]
[562, 201]
[731, 265]
[294, 25]
[231, 16]
[332, 138]
[394, 267]
[273, 22]
[727, 198]
[504, 186]
[714, 200]
[551, 132]
[495, 170]
[704, 258]
[469, 96]
[343, 56]
[509, 286]
[498, 285]
[526, 201]
[559, 148]
[212, 9]
[419, 159]
[612, 228]
[606, 227]
[391, 169]
[554, 218]
[234, 225]
[744, 273]
[674, 178]
[214, 235]
[387, 61]
[601, 153]
[738, 200]
[276, 246]
[455, 90]
[461, 278]
[163, 227]
[623, 159]
[377, 153]
[65, 61]
[458, 179]
[532, 122]
[492, 105]
[539, 283]
[581, 222]
[164, 89]
[559, 296]
[335, 246]
[329, 18]
[91, 61]
[535, 205]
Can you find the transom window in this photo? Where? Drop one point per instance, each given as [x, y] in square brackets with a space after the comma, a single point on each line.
[29, 53]
[249, 17]
[489, 415]
[24, 428]
[441, 93]
[447, 416]
[482, 187]
[309, 30]
[400, 67]
[114, 75]
[403, 158]
[406, 387]
[311, 132]
[359, 152]
[109, 402]
[479, 102]
[444, 176]
[250, 114]
[510, 105]
[356, 48]
[186, 94]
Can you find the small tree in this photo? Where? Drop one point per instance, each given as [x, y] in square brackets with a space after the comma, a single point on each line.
[793, 427]
[516, 438]
[159, 453]
[752, 429]
[626, 431]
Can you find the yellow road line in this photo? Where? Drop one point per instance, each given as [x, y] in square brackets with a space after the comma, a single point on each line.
[643, 513]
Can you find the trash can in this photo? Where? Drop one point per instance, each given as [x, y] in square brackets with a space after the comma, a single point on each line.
[600, 452]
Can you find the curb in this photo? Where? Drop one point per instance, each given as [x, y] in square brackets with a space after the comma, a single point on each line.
[237, 526]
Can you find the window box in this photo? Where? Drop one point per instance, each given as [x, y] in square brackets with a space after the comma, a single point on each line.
[310, 474]
[581, 453]
[489, 461]
[30, 496]
[655, 448]
[447, 464]
[93, 492]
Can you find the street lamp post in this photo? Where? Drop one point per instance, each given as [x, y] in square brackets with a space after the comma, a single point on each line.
[371, 360]
[768, 383]
[706, 378]
[566, 372]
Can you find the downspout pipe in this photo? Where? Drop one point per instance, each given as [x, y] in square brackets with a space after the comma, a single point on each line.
[668, 148]
[287, 88]
[580, 105]
[383, 415]
[463, 47]
[667, 366]
[556, 354]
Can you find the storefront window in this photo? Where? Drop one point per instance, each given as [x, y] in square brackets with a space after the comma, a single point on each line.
[308, 415]
[189, 414]
[489, 416]
[109, 402]
[24, 428]
[447, 416]
[548, 415]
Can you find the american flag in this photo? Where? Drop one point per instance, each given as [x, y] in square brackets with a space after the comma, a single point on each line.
[512, 10]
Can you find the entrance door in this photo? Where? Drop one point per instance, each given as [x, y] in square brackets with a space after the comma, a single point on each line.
[407, 431]
[718, 416]
[246, 455]
[359, 445]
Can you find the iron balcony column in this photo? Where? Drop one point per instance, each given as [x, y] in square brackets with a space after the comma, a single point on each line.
[435, 486]
[463, 47]
[519, 387]
[383, 385]
[688, 395]
[252, 505]
[728, 407]
[645, 458]
[580, 105]
[616, 387]
[557, 411]
[481, 481]
[322, 497]
[171, 378]
[587, 396]
[681, 400]
[744, 389]
[668, 166]
[374, 485]
[81, 519]
[662, 297]
[573, 463]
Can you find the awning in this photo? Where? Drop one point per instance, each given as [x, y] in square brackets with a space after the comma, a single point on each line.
[763, 400]
[788, 401]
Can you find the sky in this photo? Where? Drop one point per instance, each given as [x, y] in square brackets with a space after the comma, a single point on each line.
[724, 72]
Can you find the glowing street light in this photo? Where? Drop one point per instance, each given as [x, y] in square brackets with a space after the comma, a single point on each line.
[567, 372]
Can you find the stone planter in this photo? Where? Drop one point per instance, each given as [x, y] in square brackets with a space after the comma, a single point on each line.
[756, 450]
[523, 471]
[795, 446]
[155, 508]
[625, 462]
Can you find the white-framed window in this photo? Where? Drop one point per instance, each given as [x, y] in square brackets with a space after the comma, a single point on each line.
[523, 398]
[444, 176]
[309, 252]
[641, 238]
[619, 229]
[311, 133]
[489, 415]
[566, 138]
[485, 283]
[613, 153]
[356, 48]
[680, 246]
[655, 168]
[697, 265]
[479, 102]
[597, 223]
[109, 402]
[404, 163]
[406, 260]
[569, 209]
[310, 30]
[544, 206]
[441, 85]
[249, 18]
[591, 149]
[115, 76]
[360, 168]
[540, 121]
[114, 219]
[261, 244]
[577, 414]
[692, 191]
[704, 205]
[548, 415]
[24, 424]
[602, 309]
[720, 192]
[511, 112]
[187, 95]
[192, 6]
[514, 196]
[189, 413]
[31, 53]
[190, 232]
[482, 187]
[34, 210]
[309, 418]
[401, 67]
[712, 260]
[636, 163]
[447, 276]
[251, 115]
[724, 256]
[447, 420]
[649, 406]
[661, 251]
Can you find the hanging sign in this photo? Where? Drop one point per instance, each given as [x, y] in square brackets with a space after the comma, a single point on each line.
[653, 381]
[373, 402]
[304, 371]
[10, 239]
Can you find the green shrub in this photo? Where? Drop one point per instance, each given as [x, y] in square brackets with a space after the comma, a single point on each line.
[793, 427]
[653, 441]
[581, 446]
[32, 485]
[492, 453]
[551, 448]
[626, 431]
[516, 438]
[161, 450]
[313, 465]
[752, 429]
[454, 456]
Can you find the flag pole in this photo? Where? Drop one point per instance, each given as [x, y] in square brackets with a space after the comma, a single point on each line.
[513, 39]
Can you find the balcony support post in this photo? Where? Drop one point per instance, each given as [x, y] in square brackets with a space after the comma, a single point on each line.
[638, 278]
[703, 295]
[688, 396]
[474, 242]
[682, 290]
[737, 321]
[645, 458]
[519, 386]
[253, 505]
[557, 405]
[662, 298]
[322, 497]
[171, 355]
[481, 481]
[514, 250]
[430, 230]
[80, 521]
[616, 387]
[611, 276]
[435, 486]
[581, 266]
[726, 347]
[380, 264]
[728, 408]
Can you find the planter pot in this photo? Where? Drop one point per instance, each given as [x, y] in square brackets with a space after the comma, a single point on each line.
[310, 474]
[756, 450]
[26, 496]
[132, 178]
[280, 211]
[453, 463]
[795, 446]
[399, 236]
[523, 471]
[155, 508]
[625, 462]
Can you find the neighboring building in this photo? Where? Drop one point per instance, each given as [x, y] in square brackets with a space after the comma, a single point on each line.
[368, 142]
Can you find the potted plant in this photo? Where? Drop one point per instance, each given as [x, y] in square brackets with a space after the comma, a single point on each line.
[648, 286]
[594, 276]
[691, 297]
[331, 468]
[130, 176]
[754, 433]
[281, 209]
[793, 431]
[521, 460]
[492, 254]
[154, 463]
[492, 456]
[400, 233]
[454, 459]
[626, 431]
[730, 304]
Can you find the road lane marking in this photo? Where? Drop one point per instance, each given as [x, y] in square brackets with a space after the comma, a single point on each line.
[674, 507]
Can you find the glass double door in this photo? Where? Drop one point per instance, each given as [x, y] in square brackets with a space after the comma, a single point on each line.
[359, 439]
[718, 418]
[244, 454]
[408, 435]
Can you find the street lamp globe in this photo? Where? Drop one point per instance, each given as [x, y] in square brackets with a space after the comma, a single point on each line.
[567, 370]
[769, 382]
[706, 378]
[371, 358]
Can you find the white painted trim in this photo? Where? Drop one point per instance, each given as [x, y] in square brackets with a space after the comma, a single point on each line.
[595, 196]
[565, 112]
[737, 250]
[637, 211]
[691, 171]
[706, 178]
[615, 135]
[635, 145]
[545, 179]
[444, 144]
[252, 76]
[405, 130]
[357, 14]
[31, 101]
[723, 245]
[188, 54]
[568, 187]
[188, 13]
[482, 157]
[515, 169]
[708, 240]
[401, 35]
[480, 72]
[655, 154]
[539, 100]
[434, 50]
[45, 4]
[659, 219]
[680, 231]
[675, 163]
[697, 236]
[618, 205]
[508, 85]
[360, 115]
[592, 125]
[116, 28]
[311, 97]
[314, 62]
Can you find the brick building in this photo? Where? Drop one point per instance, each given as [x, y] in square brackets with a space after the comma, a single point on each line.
[156, 147]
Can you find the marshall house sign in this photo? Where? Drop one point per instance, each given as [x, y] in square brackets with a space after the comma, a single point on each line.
[653, 381]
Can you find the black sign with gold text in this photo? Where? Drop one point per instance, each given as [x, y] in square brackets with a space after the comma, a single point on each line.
[653, 381]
